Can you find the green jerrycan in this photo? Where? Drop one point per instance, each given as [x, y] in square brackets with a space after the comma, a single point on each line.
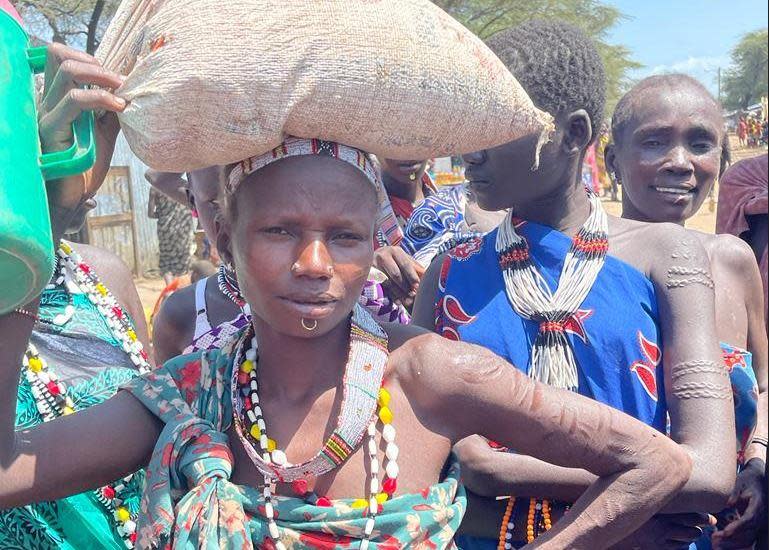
[26, 247]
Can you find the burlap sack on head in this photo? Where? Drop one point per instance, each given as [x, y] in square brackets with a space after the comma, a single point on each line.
[212, 82]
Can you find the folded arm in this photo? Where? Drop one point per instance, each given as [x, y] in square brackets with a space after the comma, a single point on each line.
[637, 468]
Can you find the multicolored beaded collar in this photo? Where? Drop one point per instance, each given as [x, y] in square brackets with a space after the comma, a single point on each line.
[362, 380]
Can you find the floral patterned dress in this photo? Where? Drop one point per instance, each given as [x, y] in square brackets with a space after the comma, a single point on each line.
[189, 501]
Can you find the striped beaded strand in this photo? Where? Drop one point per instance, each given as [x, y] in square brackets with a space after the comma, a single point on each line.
[539, 518]
[379, 494]
[390, 484]
[546, 517]
[258, 434]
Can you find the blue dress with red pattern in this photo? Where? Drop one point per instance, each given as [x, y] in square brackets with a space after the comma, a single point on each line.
[739, 363]
[614, 334]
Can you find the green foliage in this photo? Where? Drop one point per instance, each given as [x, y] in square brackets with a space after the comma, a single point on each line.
[745, 83]
[596, 18]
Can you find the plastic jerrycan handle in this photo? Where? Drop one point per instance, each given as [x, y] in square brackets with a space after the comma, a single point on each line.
[81, 156]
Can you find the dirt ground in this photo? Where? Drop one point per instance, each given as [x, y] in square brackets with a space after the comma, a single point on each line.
[705, 220]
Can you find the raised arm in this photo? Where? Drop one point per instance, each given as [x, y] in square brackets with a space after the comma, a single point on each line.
[474, 391]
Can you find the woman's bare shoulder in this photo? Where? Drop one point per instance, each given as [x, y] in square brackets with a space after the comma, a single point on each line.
[422, 359]
[727, 252]
[642, 244]
[108, 265]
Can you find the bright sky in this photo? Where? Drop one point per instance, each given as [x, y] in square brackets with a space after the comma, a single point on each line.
[689, 36]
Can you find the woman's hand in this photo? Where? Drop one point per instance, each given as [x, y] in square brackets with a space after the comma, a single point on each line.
[64, 100]
[403, 272]
[749, 497]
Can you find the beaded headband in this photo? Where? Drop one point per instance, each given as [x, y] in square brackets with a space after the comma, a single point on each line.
[294, 147]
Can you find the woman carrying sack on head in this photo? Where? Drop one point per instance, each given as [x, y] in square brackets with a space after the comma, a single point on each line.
[366, 413]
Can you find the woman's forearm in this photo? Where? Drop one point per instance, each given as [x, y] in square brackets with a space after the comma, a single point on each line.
[490, 473]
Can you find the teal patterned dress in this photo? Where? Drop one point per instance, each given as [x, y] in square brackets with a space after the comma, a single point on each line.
[190, 503]
[86, 357]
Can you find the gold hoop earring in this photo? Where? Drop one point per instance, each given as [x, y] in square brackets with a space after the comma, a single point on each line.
[309, 328]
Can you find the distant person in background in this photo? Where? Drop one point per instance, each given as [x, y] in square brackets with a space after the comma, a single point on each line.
[742, 209]
[407, 184]
[754, 131]
[204, 314]
[742, 131]
[168, 205]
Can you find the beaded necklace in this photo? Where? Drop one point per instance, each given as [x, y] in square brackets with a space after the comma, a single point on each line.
[228, 285]
[538, 520]
[74, 270]
[51, 395]
[552, 360]
[365, 403]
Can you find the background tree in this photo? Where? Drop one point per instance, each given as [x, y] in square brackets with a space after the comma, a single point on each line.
[79, 23]
[745, 82]
[596, 18]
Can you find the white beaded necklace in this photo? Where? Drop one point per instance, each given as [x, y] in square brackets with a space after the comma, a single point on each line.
[78, 276]
[52, 396]
[368, 357]
[552, 360]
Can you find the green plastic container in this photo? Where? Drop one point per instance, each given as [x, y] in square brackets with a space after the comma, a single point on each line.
[26, 247]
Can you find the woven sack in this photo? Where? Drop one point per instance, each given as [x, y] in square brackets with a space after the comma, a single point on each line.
[212, 82]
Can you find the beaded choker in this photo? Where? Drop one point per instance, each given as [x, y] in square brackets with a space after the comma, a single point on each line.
[228, 285]
[552, 360]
